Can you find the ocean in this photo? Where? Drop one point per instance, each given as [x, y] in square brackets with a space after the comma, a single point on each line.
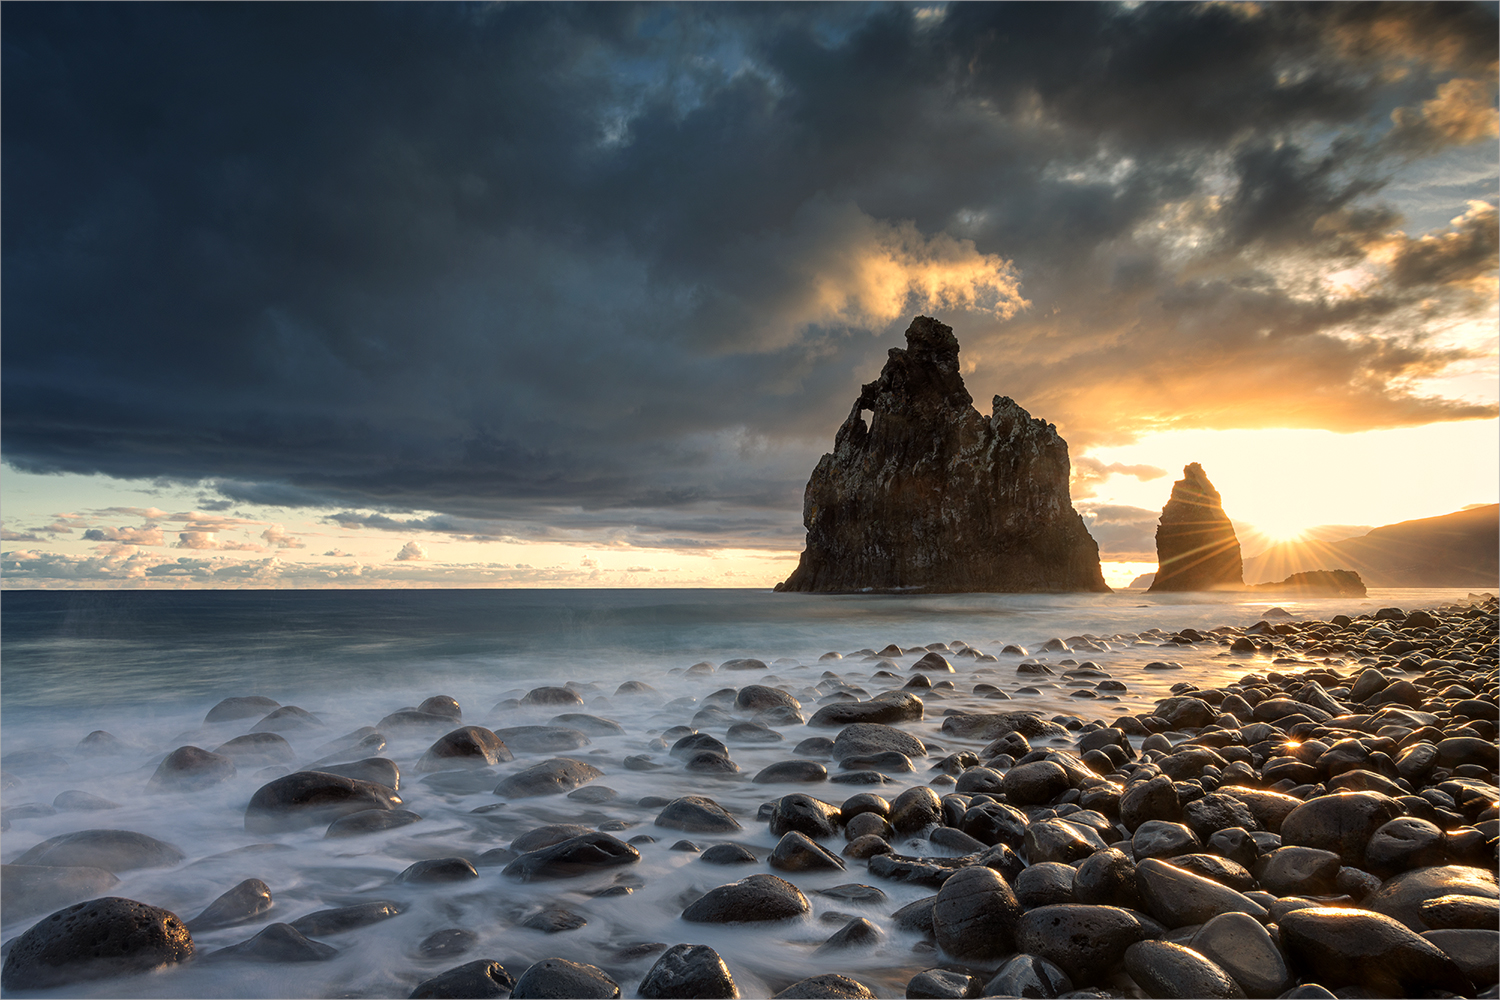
[147, 666]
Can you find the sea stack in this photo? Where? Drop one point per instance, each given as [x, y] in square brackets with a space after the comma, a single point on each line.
[1196, 548]
[932, 496]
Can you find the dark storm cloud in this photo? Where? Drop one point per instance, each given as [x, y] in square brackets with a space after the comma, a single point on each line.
[545, 269]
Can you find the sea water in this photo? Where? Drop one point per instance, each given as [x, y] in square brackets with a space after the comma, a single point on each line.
[147, 666]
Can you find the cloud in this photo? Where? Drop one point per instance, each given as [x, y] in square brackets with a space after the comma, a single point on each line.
[1124, 534]
[411, 551]
[148, 534]
[210, 540]
[575, 285]
[277, 537]
[1089, 473]
[8, 535]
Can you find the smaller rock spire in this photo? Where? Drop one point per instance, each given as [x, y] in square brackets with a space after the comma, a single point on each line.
[1196, 547]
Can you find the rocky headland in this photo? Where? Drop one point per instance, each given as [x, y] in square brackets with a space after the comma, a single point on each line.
[1196, 547]
[1326, 823]
[928, 495]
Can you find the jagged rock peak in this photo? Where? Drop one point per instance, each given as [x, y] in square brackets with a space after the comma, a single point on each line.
[1196, 547]
[930, 495]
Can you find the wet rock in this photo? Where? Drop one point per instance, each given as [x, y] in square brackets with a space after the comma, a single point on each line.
[814, 746]
[364, 740]
[1402, 897]
[934, 662]
[796, 852]
[889, 762]
[258, 748]
[1158, 839]
[998, 726]
[551, 696]
[830, 986]
[28, 890]
[1196, 548]
[915, 810]
[287, 719]
[98, 939]
[380, 770]
[755, 898]
[277, 943]
[696, 814]
[100, 743]
[448, 942]
[1455, 912]
[1218, 811]
[551, 777]
[482, 979]
[753, 732]
[245, 707]
[557, 978]
[112, 850]
[945, 984]
[804, 814]
[438, 871]
[312, 798]
[1404, 843]
[1086, 942]
[1269, 808]
[695, 743]
[994, 822]
[370, 821]
[1238, 944]
[1475, 952]
[73, 800]
[1289, 871]
[1339, 947]
[442, 704]
[239, 905]
[953, 840]
[1178, 898]
[867, 846]
[974, 915]
[727, 854]
[857, 933]
[545, 836]
[1143, 801]
[1167, 970]
[580, 855]
[686, 971]
[1217, 869]
[882, 710]
[744, 663]
[1045, 884]
[541, 739]
[1028, 976]
[591, 725]
[709, 762]
[1057, 840]
[792, 771]
[1343, 822]
[324, 923]
[189, 769]
[1035, 783]
[1108, 878]
[759, 697]
[470, 746]
[555, 919]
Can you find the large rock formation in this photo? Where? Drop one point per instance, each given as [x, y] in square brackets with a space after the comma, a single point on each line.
[1196, 548]
[930, 495]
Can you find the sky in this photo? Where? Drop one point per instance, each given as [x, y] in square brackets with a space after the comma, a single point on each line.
[364, 295]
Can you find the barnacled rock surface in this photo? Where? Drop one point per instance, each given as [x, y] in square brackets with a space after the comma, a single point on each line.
[1196, 547]
[932, 496]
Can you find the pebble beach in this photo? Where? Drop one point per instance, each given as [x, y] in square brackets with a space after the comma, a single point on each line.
[1296, 807]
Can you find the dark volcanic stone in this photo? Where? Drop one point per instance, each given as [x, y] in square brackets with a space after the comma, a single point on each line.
[482, 979]
[545, 836]
[1056, 840]
[945, 984]
[28, 890]
[188, 769]
[915, 809]
[685, 971]
[277, 943]
[696, 814]
[796, 852]
[579, 856]
[695, 743]
[554, 919]
[113, 850]
[1086, 942]
[380, 770]
[882, 513]
[867, 739]
[791, 771]
[312, 798]
[271, 748]
[974, 916]
[1045, 884]
[1402, 897]
[541, 739]
[287, 719]
[857, 933]
[758, 697]
[1476, 952]
[830, 986]
[805, 814]
[248, 707]
[1142, 801]
[438, 871]
[1342, 822]
[323, 923]
[370, 821]
[243, 903]
[1403, 843]
[557, 978]
[883, 709]
[470, 746]
[1028, 976]
[1035, 783]
[1238, 944]
[448, 942]
[727, 854]
[101, 938]
[1196, 548]
[752, 899]
[709, 762]
[1108, 878]
[1445, 912]
[551, 696]
[550, 777]
[1178, 897]
[1167, 970]
[1157, 839]
[442, 704]
[1337, 946]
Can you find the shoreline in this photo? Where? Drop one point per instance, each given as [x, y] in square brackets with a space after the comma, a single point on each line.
[957, 727]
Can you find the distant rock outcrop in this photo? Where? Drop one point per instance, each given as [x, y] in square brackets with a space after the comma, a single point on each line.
[932, 496]
[1196, 548]
[1319, 582]
[1452, 550]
